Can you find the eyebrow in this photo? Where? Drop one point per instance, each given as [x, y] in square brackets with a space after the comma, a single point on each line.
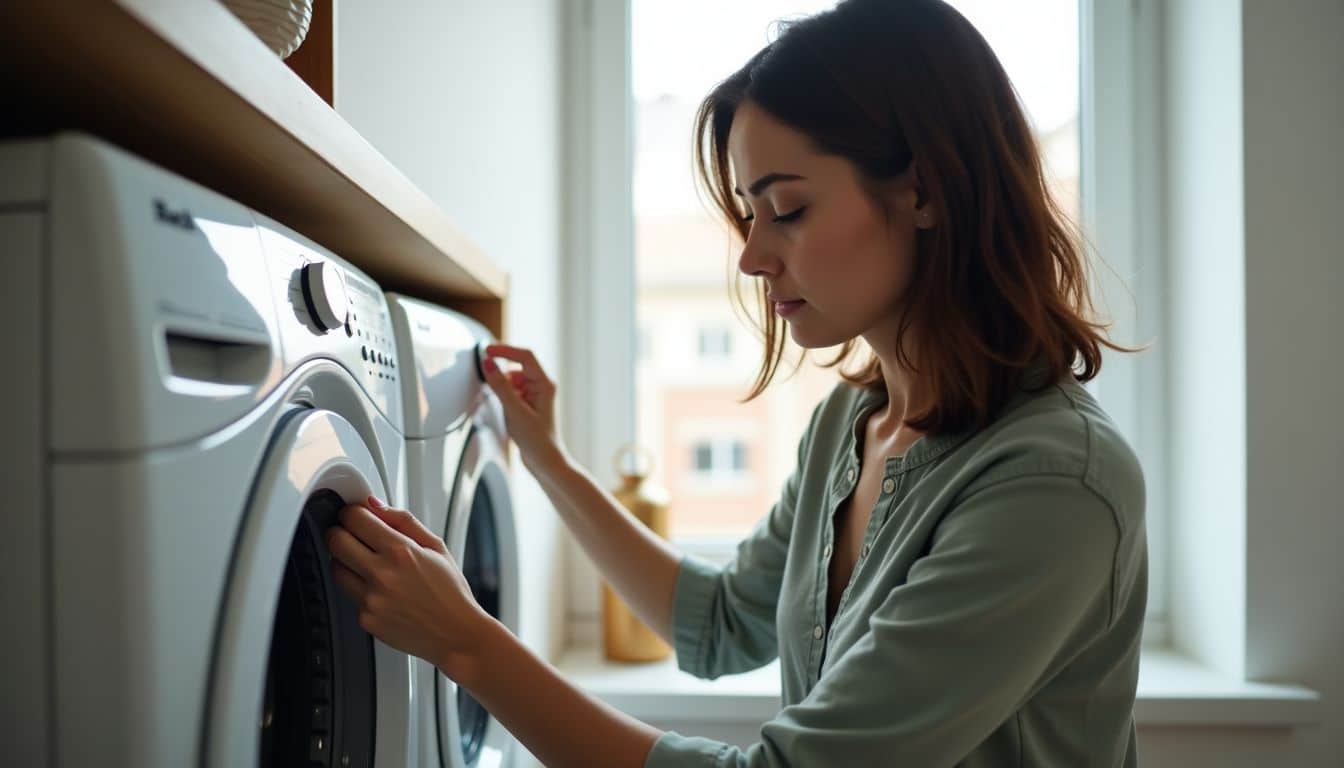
[758, 186]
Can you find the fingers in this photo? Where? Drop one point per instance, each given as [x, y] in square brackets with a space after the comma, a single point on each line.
[532, 369]
[528, 390]
[349, 581]
[520, 355]
[529, 382]
[350, 551]
[368, 528]
[405, 523]
[509, 394]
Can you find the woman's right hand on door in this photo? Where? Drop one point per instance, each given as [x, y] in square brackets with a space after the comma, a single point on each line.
[528, 397]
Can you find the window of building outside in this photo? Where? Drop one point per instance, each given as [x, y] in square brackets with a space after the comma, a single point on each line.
[689, 379]
[704, 457]
[722, 456]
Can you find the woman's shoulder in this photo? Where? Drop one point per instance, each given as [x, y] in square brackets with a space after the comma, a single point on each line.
[1060, 430]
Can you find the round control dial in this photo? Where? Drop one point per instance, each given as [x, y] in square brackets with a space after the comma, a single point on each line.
[324, 291]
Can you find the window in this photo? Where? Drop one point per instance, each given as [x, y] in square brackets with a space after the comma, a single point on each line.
[1088, 76]
[720, 457]
[704, 457]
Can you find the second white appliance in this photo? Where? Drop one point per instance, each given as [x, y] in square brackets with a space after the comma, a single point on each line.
[457, 482]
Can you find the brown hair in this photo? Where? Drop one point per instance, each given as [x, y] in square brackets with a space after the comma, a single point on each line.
[1000, 282]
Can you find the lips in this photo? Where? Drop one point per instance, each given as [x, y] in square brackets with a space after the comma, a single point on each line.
[784, 308]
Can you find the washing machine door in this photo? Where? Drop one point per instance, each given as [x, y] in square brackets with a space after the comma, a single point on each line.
[295, 680]
[481, 537]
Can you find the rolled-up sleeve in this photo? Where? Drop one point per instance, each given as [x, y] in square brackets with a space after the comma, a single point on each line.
[1018, 577]
[723, 619]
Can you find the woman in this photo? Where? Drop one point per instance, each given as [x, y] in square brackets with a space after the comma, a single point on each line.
[955, 573]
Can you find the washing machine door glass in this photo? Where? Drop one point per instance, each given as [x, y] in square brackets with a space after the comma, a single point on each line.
[480, 564]
[295, 680]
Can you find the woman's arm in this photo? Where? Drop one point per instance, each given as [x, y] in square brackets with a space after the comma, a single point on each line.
[559, 724]
[412, 596]
[640, 566]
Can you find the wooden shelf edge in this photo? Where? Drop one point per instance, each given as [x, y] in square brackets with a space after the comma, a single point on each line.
[187, 86]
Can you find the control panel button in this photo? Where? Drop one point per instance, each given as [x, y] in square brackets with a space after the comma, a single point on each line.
[325, 293]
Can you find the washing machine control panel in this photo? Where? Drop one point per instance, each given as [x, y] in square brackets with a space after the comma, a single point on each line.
[330, 309]
[370, 325]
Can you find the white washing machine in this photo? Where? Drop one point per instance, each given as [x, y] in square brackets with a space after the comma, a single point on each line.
[457, 482]
[196, 403]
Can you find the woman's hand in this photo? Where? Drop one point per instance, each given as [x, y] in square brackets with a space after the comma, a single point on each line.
[410, 592]
[528, 398]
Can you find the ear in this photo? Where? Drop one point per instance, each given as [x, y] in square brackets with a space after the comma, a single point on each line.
[925, 218]
[906, 196]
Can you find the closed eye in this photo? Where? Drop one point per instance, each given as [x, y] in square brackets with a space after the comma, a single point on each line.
[783, 218]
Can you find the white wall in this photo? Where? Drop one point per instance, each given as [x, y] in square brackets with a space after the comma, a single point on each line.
[1293, 69]
[463, 97]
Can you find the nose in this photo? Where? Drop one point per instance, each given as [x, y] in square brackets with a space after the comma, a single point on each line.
[756, 261]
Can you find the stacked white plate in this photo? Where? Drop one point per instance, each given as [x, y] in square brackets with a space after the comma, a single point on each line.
[281, 24]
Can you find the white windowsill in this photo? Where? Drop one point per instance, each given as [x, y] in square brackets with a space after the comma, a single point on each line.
[1173, 691]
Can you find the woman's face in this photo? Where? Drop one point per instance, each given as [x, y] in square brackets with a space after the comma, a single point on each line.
[834, 263]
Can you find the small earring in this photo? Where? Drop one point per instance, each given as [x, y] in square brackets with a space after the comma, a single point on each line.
[924, 218]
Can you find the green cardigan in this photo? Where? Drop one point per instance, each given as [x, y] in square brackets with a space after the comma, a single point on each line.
[992, 619]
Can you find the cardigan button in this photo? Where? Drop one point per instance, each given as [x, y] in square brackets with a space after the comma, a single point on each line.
[817, 632]
[888, 485]
[849, 476]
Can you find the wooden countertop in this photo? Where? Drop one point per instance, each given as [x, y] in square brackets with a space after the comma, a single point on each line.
[184, 84]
